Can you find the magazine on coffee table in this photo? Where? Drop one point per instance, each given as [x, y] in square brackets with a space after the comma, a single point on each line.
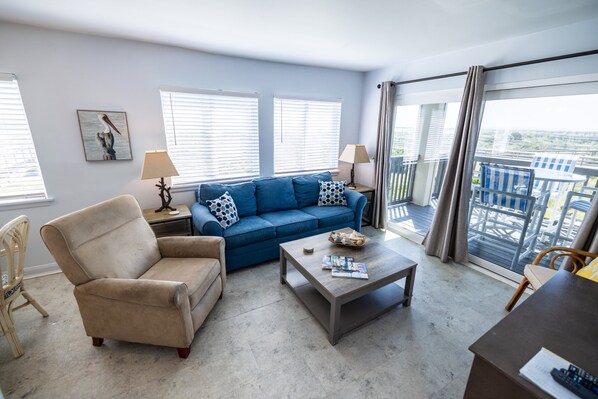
[333, 261]
[352, 270]
[344, 266]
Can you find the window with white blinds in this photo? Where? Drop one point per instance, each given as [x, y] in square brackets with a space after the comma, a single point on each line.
[434, 123]
[306, 135]
[442, 121]
[20, 174]
[211, 135]
[407, 132]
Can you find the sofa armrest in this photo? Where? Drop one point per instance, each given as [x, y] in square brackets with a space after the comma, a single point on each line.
[168, 294]
[356, 201]
[204, 221]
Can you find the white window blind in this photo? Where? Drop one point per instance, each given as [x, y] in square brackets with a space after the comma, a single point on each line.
[306, 135]
[434, 123]
[20, 174]
[211, 135]
[442, 123]
[407, 132]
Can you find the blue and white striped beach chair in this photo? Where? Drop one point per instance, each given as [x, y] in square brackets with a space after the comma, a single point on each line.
[557, 162]
[503, 212]
[560, 162]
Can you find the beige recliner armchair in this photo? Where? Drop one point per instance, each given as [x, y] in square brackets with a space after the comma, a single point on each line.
[131, 286]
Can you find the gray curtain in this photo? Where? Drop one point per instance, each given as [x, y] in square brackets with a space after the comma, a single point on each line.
[447, 237]
[387, 95]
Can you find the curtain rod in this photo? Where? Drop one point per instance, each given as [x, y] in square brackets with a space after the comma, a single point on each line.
[495, 68]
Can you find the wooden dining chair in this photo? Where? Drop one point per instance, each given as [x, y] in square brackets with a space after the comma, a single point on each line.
[13, 245]
[536, 275]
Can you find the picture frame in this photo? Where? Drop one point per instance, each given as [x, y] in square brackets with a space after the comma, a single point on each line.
[105, 135]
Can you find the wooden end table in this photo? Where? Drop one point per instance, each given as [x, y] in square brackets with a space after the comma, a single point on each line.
[343, 304]
[369, 195]
[164, 224]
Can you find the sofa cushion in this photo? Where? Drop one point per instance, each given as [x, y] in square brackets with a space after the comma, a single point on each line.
[274, 194]
[248, 230]
[243, 194]
[307, 188]
[330, 215]
[291, 222]
[224, 210]
[332, 193]
[197, 273]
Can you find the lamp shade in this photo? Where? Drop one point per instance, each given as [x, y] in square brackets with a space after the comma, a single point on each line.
[157, 164]
[355, 153]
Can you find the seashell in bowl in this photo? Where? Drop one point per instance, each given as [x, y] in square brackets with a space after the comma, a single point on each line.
[354, 239]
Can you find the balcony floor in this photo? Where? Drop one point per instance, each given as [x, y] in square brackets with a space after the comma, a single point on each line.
[418, 219]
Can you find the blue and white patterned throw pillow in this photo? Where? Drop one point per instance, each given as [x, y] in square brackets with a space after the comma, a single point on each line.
[332, 193]
[224, 209]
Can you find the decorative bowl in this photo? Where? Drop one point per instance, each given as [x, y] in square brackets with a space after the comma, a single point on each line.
[353, 239]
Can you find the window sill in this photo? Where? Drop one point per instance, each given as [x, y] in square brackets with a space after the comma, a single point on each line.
[25, 203]
[180, 188]
[333, 172]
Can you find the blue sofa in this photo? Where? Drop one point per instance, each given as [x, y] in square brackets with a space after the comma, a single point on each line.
[273, 211]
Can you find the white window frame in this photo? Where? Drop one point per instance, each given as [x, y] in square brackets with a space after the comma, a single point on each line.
[23, 175]
[424, 98]
[306, 147]
[243, 149]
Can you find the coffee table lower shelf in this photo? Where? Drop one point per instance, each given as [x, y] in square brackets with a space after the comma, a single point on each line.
[353, 313]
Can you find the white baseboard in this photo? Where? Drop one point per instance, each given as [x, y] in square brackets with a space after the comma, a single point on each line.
[41, 270]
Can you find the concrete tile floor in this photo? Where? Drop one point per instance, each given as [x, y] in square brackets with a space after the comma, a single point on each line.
[260, 342]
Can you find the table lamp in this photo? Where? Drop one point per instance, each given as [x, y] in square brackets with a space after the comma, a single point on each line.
[354, 153]
[157, 164]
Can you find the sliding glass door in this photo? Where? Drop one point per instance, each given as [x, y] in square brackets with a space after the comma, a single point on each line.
[422, 138]
[547, 133]
[554, 136]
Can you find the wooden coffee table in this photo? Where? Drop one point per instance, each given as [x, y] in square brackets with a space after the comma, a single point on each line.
[343, 304]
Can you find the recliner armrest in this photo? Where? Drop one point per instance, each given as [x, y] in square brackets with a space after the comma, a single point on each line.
[140, 291]
[195, 247]
[191, 247]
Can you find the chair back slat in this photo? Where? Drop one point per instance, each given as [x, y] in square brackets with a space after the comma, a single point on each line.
[560, 162]
[13, 246]
[557, 162]
[503, 181]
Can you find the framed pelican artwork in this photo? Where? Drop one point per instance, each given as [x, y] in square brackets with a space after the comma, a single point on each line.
[105, 135]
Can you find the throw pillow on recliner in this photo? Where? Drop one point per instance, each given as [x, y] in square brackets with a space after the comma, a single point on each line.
[332, 193]
[224, 209]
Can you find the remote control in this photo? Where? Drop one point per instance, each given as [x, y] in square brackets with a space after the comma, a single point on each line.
[578, 381]
[586, 379]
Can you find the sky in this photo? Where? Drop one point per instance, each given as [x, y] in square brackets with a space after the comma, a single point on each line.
[565, 113]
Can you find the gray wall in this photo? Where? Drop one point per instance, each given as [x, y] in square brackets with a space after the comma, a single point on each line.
[567, 39]
[60, 72]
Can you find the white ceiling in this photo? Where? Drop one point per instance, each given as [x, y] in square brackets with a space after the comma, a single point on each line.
[350, 34]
